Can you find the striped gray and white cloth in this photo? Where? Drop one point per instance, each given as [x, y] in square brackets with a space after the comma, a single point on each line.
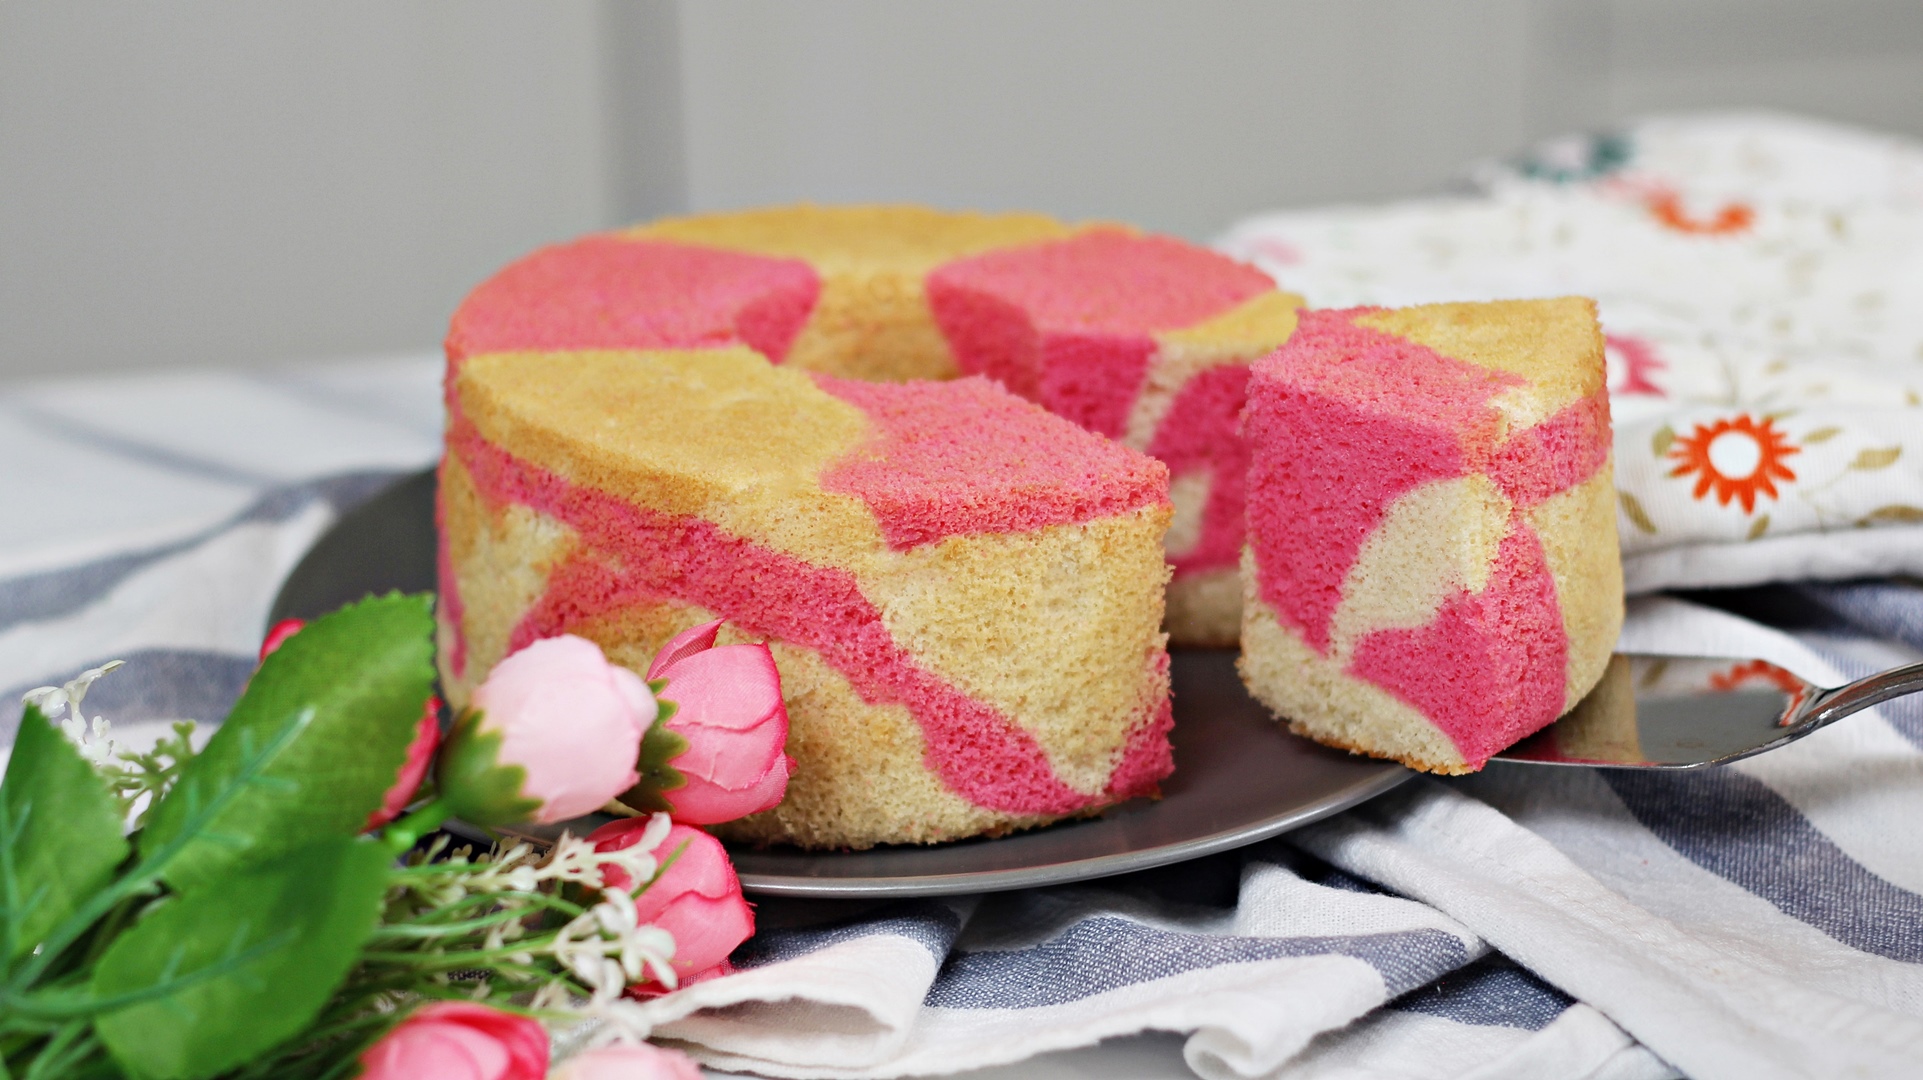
[1757, 921]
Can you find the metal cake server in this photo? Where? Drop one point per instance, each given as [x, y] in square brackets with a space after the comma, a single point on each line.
[1674, 712]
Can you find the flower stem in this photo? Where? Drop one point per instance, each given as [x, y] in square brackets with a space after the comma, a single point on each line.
[426, 960]
[405, 833]
[426, 927]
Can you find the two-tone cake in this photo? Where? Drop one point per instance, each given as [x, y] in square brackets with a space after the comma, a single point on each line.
[961, 590]
[1142, 338]
[1432, 568]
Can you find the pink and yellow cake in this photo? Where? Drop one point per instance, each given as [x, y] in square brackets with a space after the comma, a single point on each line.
[1432, 568]
[962, 591]
[1141, 338]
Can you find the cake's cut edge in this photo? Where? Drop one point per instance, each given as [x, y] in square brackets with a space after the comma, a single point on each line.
[1319, 701]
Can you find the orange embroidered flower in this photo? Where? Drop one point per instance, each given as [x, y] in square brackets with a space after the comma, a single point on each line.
[1737, 457]
[1667, 208]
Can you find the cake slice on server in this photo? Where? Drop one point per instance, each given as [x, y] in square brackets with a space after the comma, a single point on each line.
[962, 591]
[1432, 569]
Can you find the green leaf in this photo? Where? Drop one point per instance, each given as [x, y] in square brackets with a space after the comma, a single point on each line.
[309, 750]
[1664, 438]
[1758, 527]
[1821, 435]
[59, 834]
[658, 747]
[233, 968]
[1879, 458]
[1633, 510]
[475, 787]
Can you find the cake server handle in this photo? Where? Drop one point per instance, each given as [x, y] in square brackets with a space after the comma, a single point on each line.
[1832, 705]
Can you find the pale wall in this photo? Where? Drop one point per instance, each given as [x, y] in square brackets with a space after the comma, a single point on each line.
[234, 183]
[226, 183]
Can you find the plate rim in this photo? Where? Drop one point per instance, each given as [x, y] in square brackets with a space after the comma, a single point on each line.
[1390, 776]
[1079, 870]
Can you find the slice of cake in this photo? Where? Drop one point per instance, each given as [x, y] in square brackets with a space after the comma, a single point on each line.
[1432, 570]
[1145, 339]
[962, 592]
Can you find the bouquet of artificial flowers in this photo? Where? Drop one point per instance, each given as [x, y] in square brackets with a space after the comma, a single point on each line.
[280, 904]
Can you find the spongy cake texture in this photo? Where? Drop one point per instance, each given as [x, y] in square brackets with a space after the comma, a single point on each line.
[962, 591]
[1432, 568]
[1142, 338]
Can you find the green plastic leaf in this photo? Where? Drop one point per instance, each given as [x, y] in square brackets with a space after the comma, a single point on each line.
[227, 971]
[309, 750]
[59, 834]
[474, 785]
[658, 747]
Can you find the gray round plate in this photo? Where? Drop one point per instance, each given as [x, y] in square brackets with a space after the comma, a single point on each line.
[1239, 776]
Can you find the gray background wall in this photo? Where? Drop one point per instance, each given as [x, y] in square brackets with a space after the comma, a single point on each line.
[220, 183]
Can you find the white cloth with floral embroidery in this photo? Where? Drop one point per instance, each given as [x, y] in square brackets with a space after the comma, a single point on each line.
[1760, 281]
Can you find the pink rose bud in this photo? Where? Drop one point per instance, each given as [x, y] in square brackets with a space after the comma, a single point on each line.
[451, 1040]
[630, 1061]
[553, 733]
[420, 754]
[697, 899]
[278, 634]
[728, 708]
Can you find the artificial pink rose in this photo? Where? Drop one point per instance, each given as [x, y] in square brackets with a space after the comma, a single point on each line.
[728, 707]
[452, 1040]
[697, 899]
[568, 720]
[630, 1061]
[420, 754]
